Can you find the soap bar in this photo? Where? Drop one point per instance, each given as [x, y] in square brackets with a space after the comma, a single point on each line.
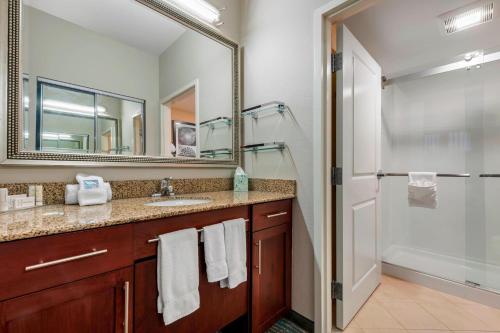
[21, 203]
[12, 198]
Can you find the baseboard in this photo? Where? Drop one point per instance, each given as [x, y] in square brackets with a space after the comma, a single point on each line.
[301, 321]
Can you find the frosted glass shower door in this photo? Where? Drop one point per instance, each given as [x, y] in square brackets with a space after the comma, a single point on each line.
[426, 128]
[483, 218]
[446, 123]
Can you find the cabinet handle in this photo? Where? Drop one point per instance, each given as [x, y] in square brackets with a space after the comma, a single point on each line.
[260, 257]
[64, 260]
[270, 216]
[126, 289]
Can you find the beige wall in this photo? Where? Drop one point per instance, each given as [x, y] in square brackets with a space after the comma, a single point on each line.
[277, 37]
[231, 29]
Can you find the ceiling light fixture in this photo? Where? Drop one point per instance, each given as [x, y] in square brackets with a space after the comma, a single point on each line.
[467, 17]
[78, 109]
[200, 9]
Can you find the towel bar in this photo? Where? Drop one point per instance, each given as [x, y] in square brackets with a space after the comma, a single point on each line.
[397, 174]
[156, 240]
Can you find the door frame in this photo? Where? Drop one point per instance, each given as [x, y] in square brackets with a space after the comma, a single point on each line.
[165, 115]
[323, 140]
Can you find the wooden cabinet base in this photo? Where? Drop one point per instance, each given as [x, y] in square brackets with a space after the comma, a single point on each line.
[271, 284]
[104, 280]
[218, 307]
[95, 304]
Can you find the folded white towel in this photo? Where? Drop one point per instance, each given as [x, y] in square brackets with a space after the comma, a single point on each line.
[422, 189]
[91, 197]
[71, 193]
[236, 253]
[215, 252]
[178, 274]
[109, 192]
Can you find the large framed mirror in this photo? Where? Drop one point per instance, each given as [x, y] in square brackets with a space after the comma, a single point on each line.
[133, 81]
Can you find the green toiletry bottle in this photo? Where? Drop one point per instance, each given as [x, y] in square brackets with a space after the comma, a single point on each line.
[240, 180]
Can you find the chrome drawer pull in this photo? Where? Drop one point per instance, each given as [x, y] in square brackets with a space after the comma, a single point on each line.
[156, 240]
[126, 289]
[64, 260]
[276, 215]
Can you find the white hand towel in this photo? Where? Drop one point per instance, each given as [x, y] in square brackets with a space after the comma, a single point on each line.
[178, 275]
[236, 253]
[215, 252]
[91, 197]
[422, 189]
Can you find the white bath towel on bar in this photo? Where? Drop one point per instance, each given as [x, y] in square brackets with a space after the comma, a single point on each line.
[236, 253]
[178, 275]
[215, 252]
[422, 189]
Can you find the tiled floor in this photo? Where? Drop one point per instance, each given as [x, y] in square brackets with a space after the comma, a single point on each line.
[402, 307]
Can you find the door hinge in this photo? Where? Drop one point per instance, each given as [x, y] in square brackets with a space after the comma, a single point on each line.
[336, 290]
[336, 176]
[336, 62]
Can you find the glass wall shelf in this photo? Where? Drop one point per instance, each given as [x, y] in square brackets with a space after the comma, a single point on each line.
[213, 153]
[255, 111]
[217, 122]
[258, 147]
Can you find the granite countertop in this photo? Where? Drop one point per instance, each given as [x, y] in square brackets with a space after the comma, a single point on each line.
[56, 219]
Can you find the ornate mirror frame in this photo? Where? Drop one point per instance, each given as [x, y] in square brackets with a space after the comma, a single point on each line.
[10, 97]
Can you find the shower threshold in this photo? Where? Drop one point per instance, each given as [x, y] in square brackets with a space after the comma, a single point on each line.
[461, 277]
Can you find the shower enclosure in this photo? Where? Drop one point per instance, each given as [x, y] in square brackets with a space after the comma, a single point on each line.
[446, 120]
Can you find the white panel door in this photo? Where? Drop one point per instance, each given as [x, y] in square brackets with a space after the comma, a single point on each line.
[358, 154]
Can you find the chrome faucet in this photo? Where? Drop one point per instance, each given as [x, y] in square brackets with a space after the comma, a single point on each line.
[166, 187]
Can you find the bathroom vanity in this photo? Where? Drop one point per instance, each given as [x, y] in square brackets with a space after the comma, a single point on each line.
[57, 277]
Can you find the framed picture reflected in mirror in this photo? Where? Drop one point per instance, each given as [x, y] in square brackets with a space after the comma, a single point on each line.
[184, 139]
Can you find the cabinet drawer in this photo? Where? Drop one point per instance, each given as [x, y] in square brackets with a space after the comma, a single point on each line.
[35, 264]
[146, 233]
[271, 214]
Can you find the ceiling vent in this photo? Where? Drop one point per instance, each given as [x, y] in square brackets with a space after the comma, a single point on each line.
[467, 17]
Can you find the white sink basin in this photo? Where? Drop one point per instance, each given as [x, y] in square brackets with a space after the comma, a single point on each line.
[178, 202]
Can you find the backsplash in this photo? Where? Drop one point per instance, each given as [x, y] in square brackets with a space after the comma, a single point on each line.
[53, 192]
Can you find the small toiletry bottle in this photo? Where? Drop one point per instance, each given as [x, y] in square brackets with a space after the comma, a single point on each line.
[39, 195]
[31, 191]
[4, 204]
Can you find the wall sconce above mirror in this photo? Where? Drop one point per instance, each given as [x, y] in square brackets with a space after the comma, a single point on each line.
[155, 84]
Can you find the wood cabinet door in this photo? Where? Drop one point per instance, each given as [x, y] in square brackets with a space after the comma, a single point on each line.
[99, 304]
[218, 306]
[271, 272]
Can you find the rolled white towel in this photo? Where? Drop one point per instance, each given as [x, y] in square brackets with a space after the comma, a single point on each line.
[71, 194]
[109, 192]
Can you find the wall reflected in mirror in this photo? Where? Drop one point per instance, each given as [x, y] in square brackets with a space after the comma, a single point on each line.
[137, 83]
